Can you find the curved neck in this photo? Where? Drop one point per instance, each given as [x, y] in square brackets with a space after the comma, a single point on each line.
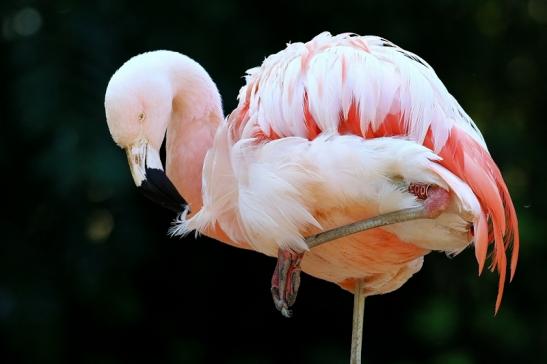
[196, 114]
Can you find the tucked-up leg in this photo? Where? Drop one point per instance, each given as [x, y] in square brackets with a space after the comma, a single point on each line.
[286, 280]
[286, 277]
[435, 201]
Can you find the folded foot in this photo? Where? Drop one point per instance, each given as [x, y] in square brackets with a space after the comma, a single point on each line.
[286, 280]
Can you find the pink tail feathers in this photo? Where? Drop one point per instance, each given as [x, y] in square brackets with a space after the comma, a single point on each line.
[497, 223]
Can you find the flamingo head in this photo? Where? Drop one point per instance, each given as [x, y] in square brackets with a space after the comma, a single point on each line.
[138, 105]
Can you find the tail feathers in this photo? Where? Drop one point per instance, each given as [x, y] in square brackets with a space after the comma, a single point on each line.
[497, 222]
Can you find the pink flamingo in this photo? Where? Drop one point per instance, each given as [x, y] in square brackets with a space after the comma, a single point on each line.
[340, 129]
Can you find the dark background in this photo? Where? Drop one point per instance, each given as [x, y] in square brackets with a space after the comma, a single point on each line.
[87, 274]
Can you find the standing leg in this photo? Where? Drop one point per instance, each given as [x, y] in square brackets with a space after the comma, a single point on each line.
[357, 330]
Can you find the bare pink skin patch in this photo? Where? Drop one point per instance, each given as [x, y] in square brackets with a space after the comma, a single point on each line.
[435, 198]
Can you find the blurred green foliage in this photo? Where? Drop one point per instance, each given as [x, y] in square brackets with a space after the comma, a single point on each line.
[87, 274]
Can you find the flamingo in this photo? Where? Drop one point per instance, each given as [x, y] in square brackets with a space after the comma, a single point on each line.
[344, 139]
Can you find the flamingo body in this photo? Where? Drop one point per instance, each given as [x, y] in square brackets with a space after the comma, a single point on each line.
[327, 133]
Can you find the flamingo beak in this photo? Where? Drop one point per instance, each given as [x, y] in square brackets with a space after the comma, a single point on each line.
[150, 178]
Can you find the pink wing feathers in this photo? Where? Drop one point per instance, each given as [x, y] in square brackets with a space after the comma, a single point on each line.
[368, 86]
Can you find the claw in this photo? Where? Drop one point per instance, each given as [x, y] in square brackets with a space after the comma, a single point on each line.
[286, 281]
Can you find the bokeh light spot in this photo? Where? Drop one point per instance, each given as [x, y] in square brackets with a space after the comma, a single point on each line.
[537, 9]
[27, 21]
[99, 226]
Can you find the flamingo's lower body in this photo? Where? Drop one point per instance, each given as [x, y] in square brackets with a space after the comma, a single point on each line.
[271, 195]
[286, 276]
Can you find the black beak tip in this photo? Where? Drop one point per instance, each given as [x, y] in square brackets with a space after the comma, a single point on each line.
[158, 188]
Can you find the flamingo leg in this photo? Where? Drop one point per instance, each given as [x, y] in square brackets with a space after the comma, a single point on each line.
[286, 277]
[434, 204]
[286, 280]
[357, 330]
